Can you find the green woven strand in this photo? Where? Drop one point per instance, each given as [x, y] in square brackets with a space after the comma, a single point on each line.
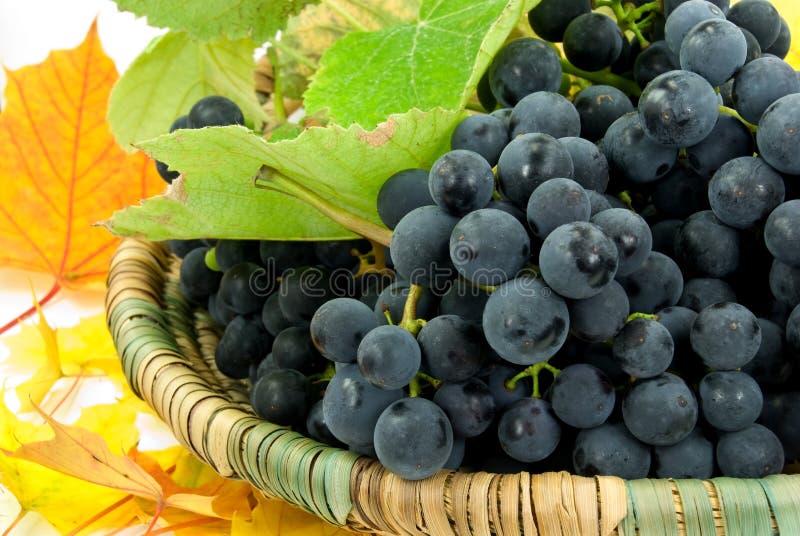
[627, 526]
[698, 512]
[745, 509]
[653, 506]
[783, 493]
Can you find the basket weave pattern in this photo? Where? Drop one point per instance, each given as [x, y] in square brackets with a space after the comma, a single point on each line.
[167, 353]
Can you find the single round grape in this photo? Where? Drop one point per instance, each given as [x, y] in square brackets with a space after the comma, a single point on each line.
[783, 43]
[245, 287]
[292, 348]
[465, 301]
[778, 137]
[630, 234]
[244, 341]
[488, 247]
[578, 260]
[728, 139]
[528, 430]
[661, 410]
[670, 5]
[725, 335]
[549, 18]
[401, 193]
[582, 396]
[758, 17]
[653, 61]
[545, 112]
[658, 283]
[419, 247]
[272, 316]
[392, 300]
[715, 49]
[469, 405]
[215, 110]
[754, 452]
[610, 449]
[389, 357]
[700, 292]
[781, 414]
[731, 400]
[705, 245]
[482, 133]
[341, 254]
[503, 396]
[745, 190]
[556, 202]
[680, 194]
[197, 281]
[691, 457]
[302, 292]
[317, 427]
[598, 106]
[782, 232]
[664, 236]
[600, 317]
[589, 163]
[634, 155]
[281, 397]
[644, 348]
[521, 67]
[592, 41]
[784, 282]
[678, 108]
[461, 181]
[685, 17]
[229, 253]
[525, 322]
[451, 348]
[771, 366]
[413, 438]
[760, 83]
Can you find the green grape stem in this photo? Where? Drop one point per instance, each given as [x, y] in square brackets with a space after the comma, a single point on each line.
[533, 372]
[410, 322]
[277, 83]
[634, 316]
[733, 113]
[603, 77]
[324, 376]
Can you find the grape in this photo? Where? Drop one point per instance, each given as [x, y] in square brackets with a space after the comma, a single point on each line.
[182, 247]
[244, 288]
[293, 349]
[597, 201]
[758, 17]
[219, 311]
[578, 260]
[525, 322]
[461, 181]
[341, 254]
[760, 83]
[215, 110]
[744, 190]
[784, 282]
[503, 396]
[670, 5]
[782, 232]
[598, 106]
[529, 160]
[280, 256]
[338, 327]
[661, 410]
[389, 357]
[554, 203]
[302, 292]
[592, 41]
[777, 134]
[482, 133]
[468, 404]
[229, 253]
[644, 348]
[631, 236]
[272, 316]
[521, 67]
[582, 396]
[653, 61]
[706, 245]
[545, 112]
[793, 330]
[401, 193]
[590, 165]
[610, 449]
[680, 194]
[686, 17]
[244, 341]
[691, 457]
[728, 139]
[600, 317]
[664, 236]
[771, 365]
[456, 454]
[730, 400]
[318, 429]
[161, 167]
[198, 281]
[488, 247]
[781, 414]
[528, 431]
[549, 18]
[754, 452]
[281, 397]
[753, 52]
[451, 348]
[725, 335]
[419, 246]
[678, 108]
[715, 49]
[700, 292]
[465, 301]
[634, 155]
[782, 44]
[351, 406]
[392, 299]
[658, 283]
[427, 424]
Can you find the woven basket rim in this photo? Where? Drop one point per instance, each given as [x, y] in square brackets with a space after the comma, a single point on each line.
[166, 350]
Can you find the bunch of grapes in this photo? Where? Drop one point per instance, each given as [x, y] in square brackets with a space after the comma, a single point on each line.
[600, 278]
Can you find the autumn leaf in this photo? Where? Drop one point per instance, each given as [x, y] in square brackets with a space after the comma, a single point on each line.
[61, 169]
[274, 517]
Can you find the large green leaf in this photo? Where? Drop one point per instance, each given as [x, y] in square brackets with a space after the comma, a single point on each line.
[210, 19]
[217, 196]
[171, 75]
[436, 61]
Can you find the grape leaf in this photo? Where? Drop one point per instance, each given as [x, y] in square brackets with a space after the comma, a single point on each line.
[437, 61]
[61, 169]
[210, 19]
[310, 33]
[171, 75]
[346, 167]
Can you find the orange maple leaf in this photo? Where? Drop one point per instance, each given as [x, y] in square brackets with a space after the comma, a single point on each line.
[61, 168]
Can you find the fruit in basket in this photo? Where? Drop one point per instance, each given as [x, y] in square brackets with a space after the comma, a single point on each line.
[596, 265]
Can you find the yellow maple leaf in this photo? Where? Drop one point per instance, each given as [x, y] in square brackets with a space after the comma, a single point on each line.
[275, 517]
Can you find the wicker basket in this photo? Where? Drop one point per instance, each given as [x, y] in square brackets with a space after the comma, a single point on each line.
[167, 353]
